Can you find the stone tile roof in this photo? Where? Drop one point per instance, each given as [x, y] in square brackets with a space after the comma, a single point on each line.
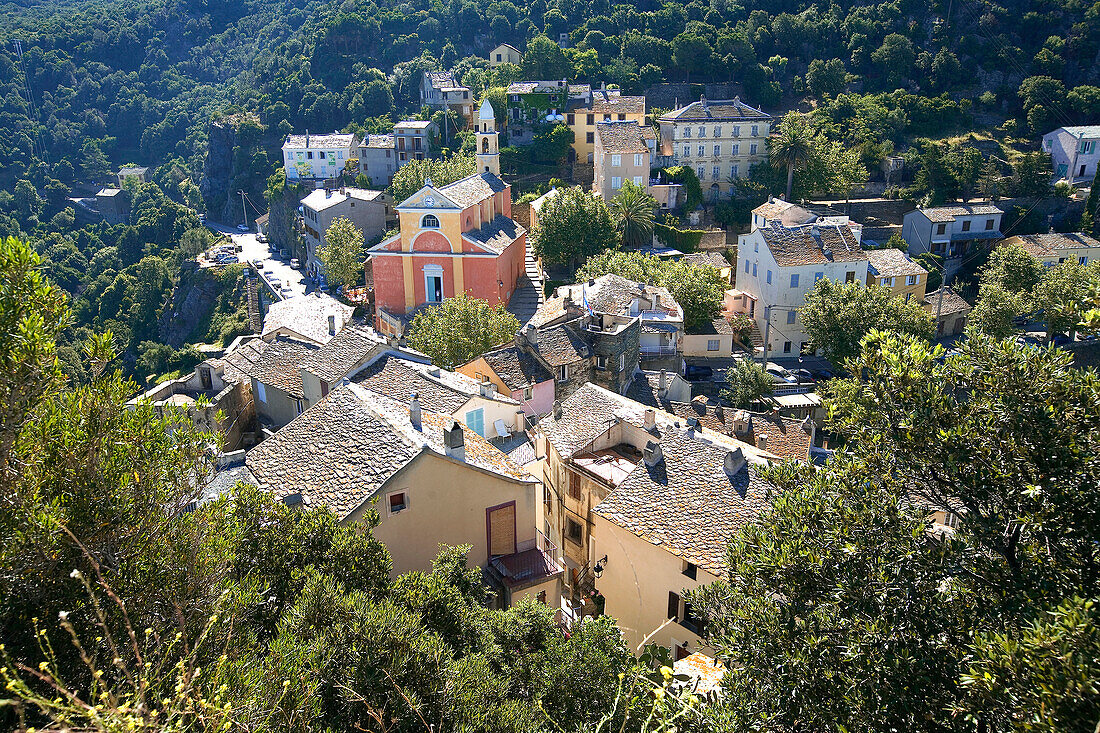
[605, 103]
[279, 365]
[1052, 244]
[342, 450]
[717, 327]
[497, 234]
[621, 137]
[787, 437]
[473, 189]
[613, 294]
[548, 312]
[1082, 131]
[799, 246]
[785, 212]
[331, 140]
[561, 345]
[414, 124]
[645, 389]
[320, 200]
[379, 141]
[334, 360]
[307, 316]
[714, 259]
[231, 470]
[240, 362]
[440, 79]
[686, 503]
[952, 302]
[890, 262]
[546, 87]
[948, 213]
[439, 390]
[516, 368]
[717, 110]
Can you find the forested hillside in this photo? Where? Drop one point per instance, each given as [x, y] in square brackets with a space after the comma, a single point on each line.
[177, 84]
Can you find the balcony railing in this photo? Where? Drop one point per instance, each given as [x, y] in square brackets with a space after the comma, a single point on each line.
[654, 351]
[534, 561]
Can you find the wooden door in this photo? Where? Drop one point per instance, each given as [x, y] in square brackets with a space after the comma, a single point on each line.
[501, 524]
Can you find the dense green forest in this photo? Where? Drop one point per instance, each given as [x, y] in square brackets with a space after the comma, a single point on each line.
[188, 86]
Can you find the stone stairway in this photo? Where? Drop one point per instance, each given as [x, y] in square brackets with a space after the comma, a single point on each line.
[529, 290]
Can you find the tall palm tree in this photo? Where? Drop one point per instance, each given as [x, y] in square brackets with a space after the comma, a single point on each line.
[791, 146]
[632, 211]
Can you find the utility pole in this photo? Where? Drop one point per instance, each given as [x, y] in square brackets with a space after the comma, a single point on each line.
[767, 334]
[243, 209]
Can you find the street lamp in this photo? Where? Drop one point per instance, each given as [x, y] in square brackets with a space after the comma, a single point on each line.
[597, 569]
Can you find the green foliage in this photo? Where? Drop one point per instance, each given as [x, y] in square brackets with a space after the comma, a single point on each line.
[792, 146]
[460, 329]
[573, 225]
[685, 240]
[343, 253]
[689, 185]
[698, 289]
[411, 176]
[544, 60]
[837, 316]
[749, 382]
[826, 78]
[632, 211]
[552, 143]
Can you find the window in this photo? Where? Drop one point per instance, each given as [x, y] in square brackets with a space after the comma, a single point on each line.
[754, 269]
[690, 621]
[702, 150]
[299, 407]
[321, 154]
[715, 172]
[616, 161]
[941, 229]
[637, 180]
[755, 130]
[700, 172]
[563, 372]
[794, 279]
[718, 132]
[616, 182]
[792, 316]
[702, 132]
[717, 150]
[713, 344]
[687, 132]
[787, 347]
[908, 296]
[398, 502]
[690, 570]
[1082, 260]
[733, 171]
[746, 267]
[687, 151]
[429, 221]
[768, 279]
[849, 277]
[737, 131]
[912, 279]
[752, 149]
[528, 393]
[736, 149]
[573, 531]
[475, 420]
[570, 119]
[638, 159]
[574, 486]
[622, 362]
[590, 119]
[886, 282]
[589, 137]
[621, 118]
[989, 225]
[966, 226]
[601, 361]
[261, 393]
[309, 155]
[673, 606]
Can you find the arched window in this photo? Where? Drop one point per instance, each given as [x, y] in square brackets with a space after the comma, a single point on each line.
[429, 221]
[485, 145]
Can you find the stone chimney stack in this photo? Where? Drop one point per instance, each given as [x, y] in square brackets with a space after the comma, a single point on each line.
[762, 441]
[531, 334]
[414, 410]
[652, 454]
[332, 325]
[650, 418]
[734, 462]
[488, 389]
[454, 442]
[662, 386]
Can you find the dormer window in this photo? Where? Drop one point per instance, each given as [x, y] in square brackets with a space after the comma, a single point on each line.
[429, 221]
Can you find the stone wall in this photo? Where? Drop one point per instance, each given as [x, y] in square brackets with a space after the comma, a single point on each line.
[612, 346]
[671, 96]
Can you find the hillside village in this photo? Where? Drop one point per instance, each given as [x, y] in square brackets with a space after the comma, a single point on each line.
[550, 367]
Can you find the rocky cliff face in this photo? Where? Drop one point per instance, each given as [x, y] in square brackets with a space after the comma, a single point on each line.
[235, 160]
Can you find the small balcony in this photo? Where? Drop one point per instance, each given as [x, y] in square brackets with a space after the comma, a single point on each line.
[654, 352]
[533, 563]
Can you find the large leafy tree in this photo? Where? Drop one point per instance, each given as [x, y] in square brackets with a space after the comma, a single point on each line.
[572, 225]
[844, 608]
[632, 211]
[748, 383]
[343, 253]
[460, 329]
[544, 59]
[412, 176]
[837, 316]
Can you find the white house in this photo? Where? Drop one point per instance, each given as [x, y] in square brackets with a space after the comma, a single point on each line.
[950, 231]
[1074, 152]
[777, 266]
[720, 139]
[318, 157]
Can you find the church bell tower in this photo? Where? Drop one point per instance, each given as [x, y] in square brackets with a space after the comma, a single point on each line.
[488, 146]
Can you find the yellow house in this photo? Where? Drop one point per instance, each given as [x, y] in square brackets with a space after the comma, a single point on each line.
[431, 479]
[893, 269]
[505, 54]
[591, 445]
[1056, 247]
[601, 105]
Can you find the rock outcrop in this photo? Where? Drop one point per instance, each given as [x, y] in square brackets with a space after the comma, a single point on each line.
[235, 161]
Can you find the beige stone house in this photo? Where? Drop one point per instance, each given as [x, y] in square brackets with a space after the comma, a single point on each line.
[949, 309]
[505, 54]
[431, 480]
[1055, 248]
[894, 270]
[621, 155]
[371, 211]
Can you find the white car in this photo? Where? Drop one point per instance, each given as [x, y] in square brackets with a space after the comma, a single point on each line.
[242, 227]
[294, 264]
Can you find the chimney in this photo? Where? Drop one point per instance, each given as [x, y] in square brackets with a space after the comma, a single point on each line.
[414, 410]
[652, 454]
[433, 370]
[741, 422]
[694, 424]
[531, 334]
[720, 412]
[332, 325]
[703, 101]
[521, 421]
[762, 441]
[656, 300]
[699, 404]
[488, 389]
[650, 418]
[454, 443]
[662, 386]
[307, 138]
[734, 462]
[557, 410]
[591, 281]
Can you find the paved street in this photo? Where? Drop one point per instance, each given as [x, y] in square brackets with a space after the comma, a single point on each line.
[254, 250]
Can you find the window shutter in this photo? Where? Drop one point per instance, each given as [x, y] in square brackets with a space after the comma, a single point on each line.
[502, 530]
[673, 605]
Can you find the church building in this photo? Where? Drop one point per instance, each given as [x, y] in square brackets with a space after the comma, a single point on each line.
[457, 238]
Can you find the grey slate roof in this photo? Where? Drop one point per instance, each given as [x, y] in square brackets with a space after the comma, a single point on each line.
[279, 365]
[342, 450]
[497, 234]
[948, 213]
[516, 368]
[890, 262]
[952, 302]
[398, 378]
[604, 102]
[613, 294]
[1053, 244]
[799, 246]
[240, 362]
[307, 316]
[686, 503]
[714, 259]
[621, 137]
[561, 345]
[717, 110]
[473, 189]
[335, 359]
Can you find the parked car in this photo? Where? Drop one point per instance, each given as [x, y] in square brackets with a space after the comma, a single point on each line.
[696, 372]
[822, 375]
[261, 238]
[242, 227]
[803, 374]
[780, 374]
[294, 264]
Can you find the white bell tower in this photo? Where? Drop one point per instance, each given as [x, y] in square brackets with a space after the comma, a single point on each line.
[488, 146]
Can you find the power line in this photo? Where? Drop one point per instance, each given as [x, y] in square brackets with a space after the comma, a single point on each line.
[36, 140]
